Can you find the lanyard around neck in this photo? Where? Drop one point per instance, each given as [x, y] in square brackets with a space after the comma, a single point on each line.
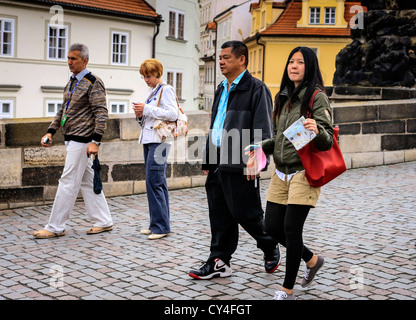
[70, 96]
[154, 94]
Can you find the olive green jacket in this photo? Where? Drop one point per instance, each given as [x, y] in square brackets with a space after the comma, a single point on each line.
[284, 153]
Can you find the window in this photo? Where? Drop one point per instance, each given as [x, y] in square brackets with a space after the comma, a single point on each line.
[226, 29]
[6, 109]
[57, 42]
[181, 26]
[330, 15]
[6, 37]
[176, 27]
[209, 75]
[315, 15]
[174, 78]
[260, 65]
[172, 24]
[207, 102]
[52, 107]
[118, 107]
[179, 85]
[263, 20]
[119, 48]
[253, 25]
[205, 14]
[170, 78]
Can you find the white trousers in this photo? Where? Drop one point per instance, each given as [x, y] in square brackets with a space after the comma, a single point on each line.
[77, 175]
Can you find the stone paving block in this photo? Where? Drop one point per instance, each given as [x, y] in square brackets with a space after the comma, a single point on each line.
[14, 296]
[400, 297]
[8, 283]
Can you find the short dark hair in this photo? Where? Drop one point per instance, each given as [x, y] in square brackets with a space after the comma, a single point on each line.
[238, 49]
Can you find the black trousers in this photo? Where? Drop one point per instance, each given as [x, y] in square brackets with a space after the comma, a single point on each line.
[232, 200]
[285, 223]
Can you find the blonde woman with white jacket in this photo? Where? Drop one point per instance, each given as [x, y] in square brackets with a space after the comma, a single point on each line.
[156, 151]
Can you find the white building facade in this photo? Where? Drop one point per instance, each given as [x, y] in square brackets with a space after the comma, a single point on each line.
[177, 47]
[35, 37]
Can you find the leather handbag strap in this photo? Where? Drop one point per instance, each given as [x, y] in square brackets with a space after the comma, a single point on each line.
[177, 101]
[160, 96]
[309, 115]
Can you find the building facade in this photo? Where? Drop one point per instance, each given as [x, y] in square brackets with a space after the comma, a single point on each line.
[279, 26]
[35, 37]
[177, 47]
[221, 21]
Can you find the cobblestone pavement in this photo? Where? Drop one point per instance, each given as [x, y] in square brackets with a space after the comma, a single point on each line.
[364, 225]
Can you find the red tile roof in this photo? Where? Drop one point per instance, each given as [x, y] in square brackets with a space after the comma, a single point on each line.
[286, 23]
[276, 4]
[132, 8]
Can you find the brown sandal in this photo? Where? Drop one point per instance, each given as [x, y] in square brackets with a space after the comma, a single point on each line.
[95, 230]
[45, 234]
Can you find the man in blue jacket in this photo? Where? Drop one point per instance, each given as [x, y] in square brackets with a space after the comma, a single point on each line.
[241, 115]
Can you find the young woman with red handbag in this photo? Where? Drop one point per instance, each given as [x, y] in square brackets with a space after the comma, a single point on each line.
[290, 196]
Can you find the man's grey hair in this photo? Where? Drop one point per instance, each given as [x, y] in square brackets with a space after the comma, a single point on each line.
[85, 54]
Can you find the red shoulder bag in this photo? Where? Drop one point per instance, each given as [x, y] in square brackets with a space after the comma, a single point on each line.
[321, 166]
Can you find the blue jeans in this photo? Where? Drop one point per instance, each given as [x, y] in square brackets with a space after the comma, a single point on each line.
[155, 158]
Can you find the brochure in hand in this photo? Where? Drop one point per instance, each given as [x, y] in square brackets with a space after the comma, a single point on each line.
[298, 135]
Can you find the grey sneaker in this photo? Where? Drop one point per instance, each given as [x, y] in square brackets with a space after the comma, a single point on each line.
[281, 295]
[311, 272]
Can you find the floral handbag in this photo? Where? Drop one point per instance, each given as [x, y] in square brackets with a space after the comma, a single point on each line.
[171, 129]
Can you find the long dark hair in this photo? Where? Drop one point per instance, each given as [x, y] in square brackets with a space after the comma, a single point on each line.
[311, 79]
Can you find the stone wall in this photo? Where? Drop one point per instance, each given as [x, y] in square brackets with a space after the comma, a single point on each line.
[371, 133]
[29, 173]
[376, 132]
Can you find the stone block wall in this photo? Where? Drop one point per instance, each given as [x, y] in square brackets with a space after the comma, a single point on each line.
[377, 132]
[29, 173]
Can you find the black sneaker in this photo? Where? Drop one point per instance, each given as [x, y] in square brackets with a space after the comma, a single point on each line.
[212, 269]
[271, 263]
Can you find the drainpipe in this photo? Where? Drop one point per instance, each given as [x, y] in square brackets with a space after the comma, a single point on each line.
[258, 36]
[215, 55]
[158, 21]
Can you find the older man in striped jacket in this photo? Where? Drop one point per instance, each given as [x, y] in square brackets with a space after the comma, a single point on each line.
[83, 120]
